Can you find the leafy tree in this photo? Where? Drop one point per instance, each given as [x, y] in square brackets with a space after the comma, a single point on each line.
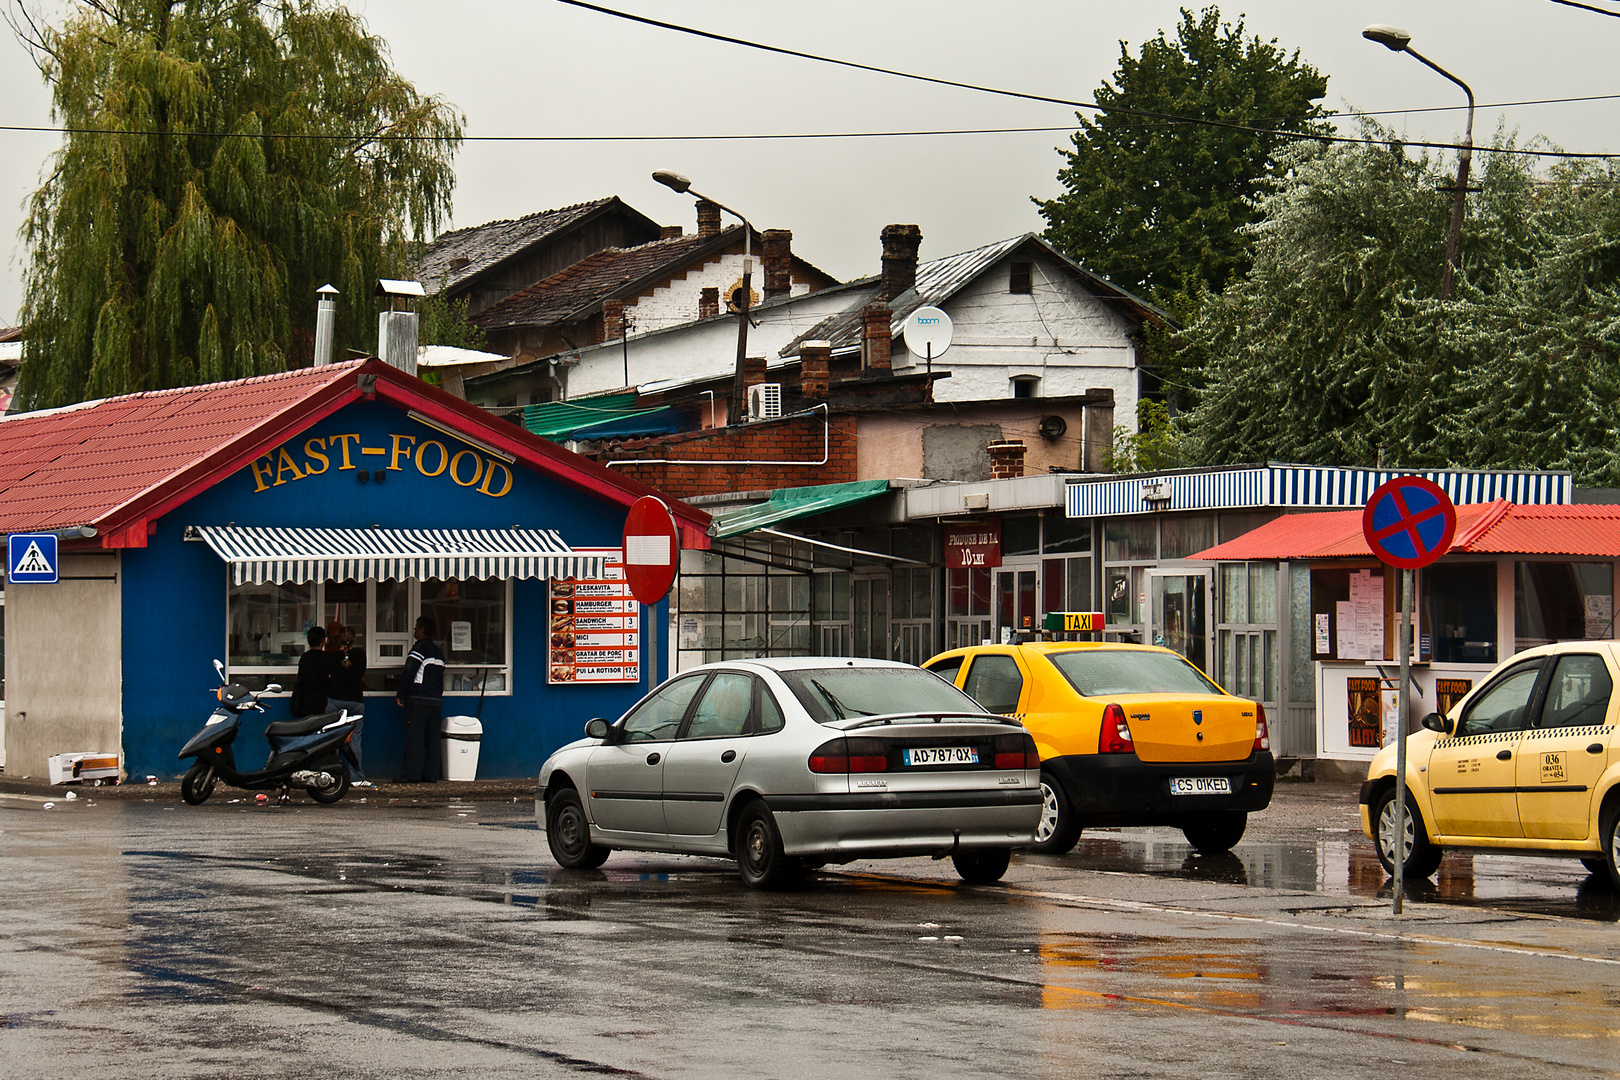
[222, 159]
[1155, 445]
[444, 322]
[1159, 206]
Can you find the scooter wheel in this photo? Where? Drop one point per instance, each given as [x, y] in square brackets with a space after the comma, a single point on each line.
[339, 788]
[197, 784]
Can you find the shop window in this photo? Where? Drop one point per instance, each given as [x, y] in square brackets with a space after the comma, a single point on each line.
[1064, 535]
[1128, 541]
[1234, 525]
[1459, 608]
[1186, 536]
[471, 620]
[1020, 535]
[1562, 601]
[267, 624]
[1246, 654]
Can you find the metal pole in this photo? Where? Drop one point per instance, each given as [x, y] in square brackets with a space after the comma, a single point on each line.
[1400, 737]
[652, 646]
[739, 394]
[1465, 154]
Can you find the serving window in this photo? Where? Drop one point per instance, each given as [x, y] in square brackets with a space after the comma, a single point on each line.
[1562, 601]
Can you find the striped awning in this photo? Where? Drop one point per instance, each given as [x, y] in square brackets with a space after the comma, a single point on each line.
[258, 555]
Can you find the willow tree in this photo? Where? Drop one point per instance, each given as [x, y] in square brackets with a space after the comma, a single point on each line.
[221, 160]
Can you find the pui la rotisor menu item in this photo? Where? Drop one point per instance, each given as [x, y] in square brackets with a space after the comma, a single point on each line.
[595, 628]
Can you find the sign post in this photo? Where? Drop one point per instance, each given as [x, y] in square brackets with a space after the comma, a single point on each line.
[651, 550]
[1408, 523]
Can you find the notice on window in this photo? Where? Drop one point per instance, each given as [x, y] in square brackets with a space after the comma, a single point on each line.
[1361, 618]
[595, 627]
[460, 636]
[1599, 617]
[1324, 639]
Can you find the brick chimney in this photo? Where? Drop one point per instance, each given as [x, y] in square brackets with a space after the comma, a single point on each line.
[876, 340]
[753, 371]
[900, 244]
[813, 363]
[708, 218]
[1006, 459]
[709, 302]
[612, 319]
[778, 260]
[670, 232]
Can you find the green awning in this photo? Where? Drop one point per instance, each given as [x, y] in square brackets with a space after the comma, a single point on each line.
[558, 419]
[788, 503]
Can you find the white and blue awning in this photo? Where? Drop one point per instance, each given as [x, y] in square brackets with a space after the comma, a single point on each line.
[279, 556]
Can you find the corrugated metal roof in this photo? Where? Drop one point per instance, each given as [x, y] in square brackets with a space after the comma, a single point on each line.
[786, 504]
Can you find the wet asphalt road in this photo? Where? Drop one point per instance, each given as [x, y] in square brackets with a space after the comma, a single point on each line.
[384, 939]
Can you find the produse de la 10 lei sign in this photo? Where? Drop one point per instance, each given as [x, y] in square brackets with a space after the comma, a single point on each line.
[595, 626]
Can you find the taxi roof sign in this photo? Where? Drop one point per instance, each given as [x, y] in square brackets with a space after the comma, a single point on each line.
[31, 558]
[1074, 622]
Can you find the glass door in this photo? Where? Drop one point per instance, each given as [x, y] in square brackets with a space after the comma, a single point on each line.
[871, 616]
[1178, 612]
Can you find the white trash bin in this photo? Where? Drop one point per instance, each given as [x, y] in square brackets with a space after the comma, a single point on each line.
[461, 736]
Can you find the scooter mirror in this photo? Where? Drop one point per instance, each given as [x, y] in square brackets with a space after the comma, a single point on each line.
[219, 667]
[273, 688]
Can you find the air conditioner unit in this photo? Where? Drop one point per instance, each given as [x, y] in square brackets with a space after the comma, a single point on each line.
[765, 401]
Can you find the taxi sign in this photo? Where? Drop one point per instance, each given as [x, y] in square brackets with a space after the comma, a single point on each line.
[1074, 622]
[1409, 522]
[651, 547]
[31, 558]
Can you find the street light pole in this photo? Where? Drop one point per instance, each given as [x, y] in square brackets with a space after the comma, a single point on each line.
[738, 405]
[1398, 40]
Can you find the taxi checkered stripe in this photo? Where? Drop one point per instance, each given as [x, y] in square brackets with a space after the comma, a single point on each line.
[1515, 736]
[1552, 732]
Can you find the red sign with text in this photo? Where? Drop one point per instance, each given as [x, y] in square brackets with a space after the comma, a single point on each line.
[974, 544]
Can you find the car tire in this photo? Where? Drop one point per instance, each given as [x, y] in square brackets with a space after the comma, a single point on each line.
[982, 866]
[1609, 829]
[1058, 830]
[1422, 856]
[1218, 833]
[760, 859]
[568, 833]
[197, 784]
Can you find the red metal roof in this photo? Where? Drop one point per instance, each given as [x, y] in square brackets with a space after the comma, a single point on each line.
[1497, 527]
[117, 463]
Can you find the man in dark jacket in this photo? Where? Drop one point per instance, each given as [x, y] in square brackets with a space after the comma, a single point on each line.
[421, 695]
[309, 693]
[345, 692]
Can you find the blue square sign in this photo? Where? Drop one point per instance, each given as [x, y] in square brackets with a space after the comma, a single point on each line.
[31, 558]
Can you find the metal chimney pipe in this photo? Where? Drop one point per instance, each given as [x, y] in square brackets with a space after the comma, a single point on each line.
[325, 323]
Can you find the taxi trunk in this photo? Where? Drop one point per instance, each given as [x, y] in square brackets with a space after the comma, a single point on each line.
[1182, 727]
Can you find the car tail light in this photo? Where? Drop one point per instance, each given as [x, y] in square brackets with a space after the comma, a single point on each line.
[1115, 737]
[1262, 733]
[850, 756]
[1017, 752]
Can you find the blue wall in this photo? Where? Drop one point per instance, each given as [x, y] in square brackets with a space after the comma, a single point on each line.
[174, 594]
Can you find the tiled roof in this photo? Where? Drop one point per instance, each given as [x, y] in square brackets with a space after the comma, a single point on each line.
[614, 272]
[485, 245]
[74, 466]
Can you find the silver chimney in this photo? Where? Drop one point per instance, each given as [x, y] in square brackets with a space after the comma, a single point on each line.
[325, 323]
[397, 327]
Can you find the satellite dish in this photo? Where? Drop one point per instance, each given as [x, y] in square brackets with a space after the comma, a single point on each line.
[927, 332]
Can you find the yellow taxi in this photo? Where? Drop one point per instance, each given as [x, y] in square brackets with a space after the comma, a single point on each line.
[1525, 763]
[1128, 735]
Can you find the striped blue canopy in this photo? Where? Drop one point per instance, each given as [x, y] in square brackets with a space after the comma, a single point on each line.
[260, 555]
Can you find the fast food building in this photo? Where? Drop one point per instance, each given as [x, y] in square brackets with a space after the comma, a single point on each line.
[222, 521]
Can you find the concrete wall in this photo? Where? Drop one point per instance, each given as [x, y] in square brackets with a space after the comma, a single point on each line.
[940, 444]
[63, 677]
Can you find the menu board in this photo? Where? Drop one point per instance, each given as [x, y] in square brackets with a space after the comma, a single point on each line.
[595, 627]
[1361, 618]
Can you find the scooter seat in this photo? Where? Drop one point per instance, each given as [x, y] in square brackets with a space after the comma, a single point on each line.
[301, 727]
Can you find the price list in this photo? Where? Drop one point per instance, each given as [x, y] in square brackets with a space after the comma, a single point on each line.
[595, 628]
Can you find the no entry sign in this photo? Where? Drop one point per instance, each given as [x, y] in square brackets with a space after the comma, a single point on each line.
[1409, 522]
[650, 549]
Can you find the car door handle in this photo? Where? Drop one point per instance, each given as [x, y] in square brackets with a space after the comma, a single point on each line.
[728, 757]
[1501, 755]
[1595, 748]
[653, 758]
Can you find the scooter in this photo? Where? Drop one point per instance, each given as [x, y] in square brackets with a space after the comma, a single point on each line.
[312, 753]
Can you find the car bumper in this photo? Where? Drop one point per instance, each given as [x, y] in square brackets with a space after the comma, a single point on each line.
[843, 827]
[1121, 789]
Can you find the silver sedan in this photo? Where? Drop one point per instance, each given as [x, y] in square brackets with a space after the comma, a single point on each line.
[790, 763]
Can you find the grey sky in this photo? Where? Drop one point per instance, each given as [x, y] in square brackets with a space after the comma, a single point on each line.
[536, 67]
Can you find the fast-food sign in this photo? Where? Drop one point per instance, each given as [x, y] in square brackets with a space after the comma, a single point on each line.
[973, 544]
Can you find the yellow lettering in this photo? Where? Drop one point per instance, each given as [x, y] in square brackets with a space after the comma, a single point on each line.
[285, 464]
[489, 474]
[263, 469]
[455, 468]
[393, 461]
[342, 443]
[311, 451]
[444, 458]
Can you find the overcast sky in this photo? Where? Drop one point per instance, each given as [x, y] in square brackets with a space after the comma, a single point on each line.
[541, 68]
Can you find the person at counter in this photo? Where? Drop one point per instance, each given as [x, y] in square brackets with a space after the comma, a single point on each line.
[309, 693]
[346, 668]
[421, 695]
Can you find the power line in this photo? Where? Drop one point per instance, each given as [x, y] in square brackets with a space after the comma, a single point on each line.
[1589, 7]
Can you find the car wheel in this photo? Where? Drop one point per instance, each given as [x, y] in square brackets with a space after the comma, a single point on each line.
[338, 788]
[1422, 857]
[1216, 833]
[568, 834]
[1057, 832]
[759, 851]
[982, 866]
[197, 784]
[1611, 846]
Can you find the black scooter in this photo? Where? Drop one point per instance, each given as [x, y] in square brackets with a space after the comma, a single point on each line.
[312, 753]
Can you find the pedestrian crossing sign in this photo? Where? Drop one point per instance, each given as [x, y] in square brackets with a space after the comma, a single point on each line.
[31, 558]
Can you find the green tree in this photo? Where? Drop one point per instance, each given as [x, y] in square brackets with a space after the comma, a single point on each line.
[222, 159]
[1159, 206]
[1155, 445]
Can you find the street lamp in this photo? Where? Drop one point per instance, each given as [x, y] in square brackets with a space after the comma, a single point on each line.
[1395, 39]
[738, 406]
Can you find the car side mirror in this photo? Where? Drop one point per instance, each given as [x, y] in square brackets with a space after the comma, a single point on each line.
[597, 728]
[1435, 722]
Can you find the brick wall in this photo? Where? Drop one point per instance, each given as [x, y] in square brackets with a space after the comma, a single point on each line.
[794, 440]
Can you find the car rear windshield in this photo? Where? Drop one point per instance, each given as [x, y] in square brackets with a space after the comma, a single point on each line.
[1106, 672]
[838, 693]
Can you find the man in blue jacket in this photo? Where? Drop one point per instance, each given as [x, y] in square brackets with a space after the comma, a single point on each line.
[421, 695]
